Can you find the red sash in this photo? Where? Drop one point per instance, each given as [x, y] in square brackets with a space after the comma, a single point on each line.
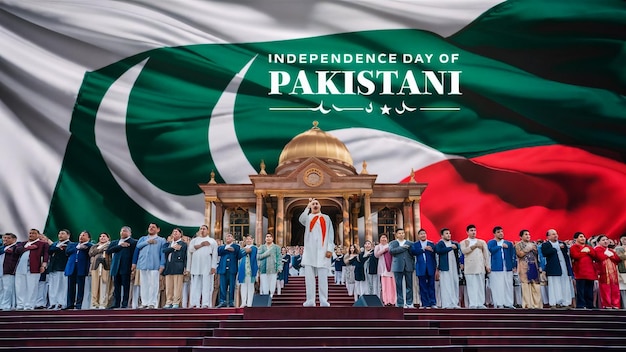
[322, 224]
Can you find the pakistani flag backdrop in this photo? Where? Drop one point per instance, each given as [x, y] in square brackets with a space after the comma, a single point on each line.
[513, 112]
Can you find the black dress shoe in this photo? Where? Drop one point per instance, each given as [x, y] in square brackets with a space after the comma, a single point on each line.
[68, 307]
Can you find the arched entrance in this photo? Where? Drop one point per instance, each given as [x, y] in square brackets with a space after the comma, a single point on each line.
[295, 230]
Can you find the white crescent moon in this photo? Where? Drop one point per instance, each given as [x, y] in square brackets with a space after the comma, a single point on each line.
[111, 139]
[226, 152]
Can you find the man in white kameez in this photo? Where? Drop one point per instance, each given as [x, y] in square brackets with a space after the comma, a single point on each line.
[318, 250]
[202, 265]
[448, 253]
[558, 270]
[477, 263]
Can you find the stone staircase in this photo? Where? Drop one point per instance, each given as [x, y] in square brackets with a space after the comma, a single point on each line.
[294, 294]
[286, 325]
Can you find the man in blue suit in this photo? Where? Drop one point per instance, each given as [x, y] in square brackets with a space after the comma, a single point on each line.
[449, 269]
[227, 268]
[503, 263]
[77, 269]
[122, 251]
[247, 278]
[402, 266]
[425, 267]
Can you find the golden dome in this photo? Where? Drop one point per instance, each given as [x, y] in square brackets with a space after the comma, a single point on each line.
[319, 144]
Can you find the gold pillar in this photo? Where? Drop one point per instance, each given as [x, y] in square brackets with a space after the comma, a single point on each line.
[354, 234]
[271, 220]
[408, 220]
[346, 221]
[416, 213]
[219, 216]
[258, 232]
[208, 208]
[337, 240]
[399, 218]
[280, 220]
[288, 226]
[369, 236]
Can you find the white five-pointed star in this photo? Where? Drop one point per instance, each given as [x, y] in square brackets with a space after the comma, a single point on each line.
[385, 109]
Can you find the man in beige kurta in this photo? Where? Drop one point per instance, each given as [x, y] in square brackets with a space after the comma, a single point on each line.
[476, 265]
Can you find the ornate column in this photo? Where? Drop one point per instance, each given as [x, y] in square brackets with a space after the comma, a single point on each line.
[288, 227]
[280, 220]
[368, 218]
[346, 221]
[408, 220]
[338, 238]
[219, 216]
[271, 220]
[258, 233]
[208, 208]
[354, 233]
[416, 213]
[399, 219]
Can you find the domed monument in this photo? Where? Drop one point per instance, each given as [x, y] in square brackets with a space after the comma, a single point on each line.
[313, 164]
[319, 144]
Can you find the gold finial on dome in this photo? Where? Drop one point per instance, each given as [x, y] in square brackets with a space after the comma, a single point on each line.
[263, 172]
[212, 181]
[364, 171]
[412, 179]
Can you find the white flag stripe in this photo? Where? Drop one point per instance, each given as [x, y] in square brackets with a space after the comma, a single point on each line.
[381, 149]
[47, 46]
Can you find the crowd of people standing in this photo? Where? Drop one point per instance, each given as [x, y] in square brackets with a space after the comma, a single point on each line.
[473, 273]
[202, 272]
[149, 272]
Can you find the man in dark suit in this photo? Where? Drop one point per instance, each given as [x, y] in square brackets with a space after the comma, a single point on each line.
[77, 269]
[12, 250]
[425, 267]
[297, 260]
[122, 251]
[227, 268]
[402, 266]
[558, 270]
[449, 269]
[175, 263]
[57, 291]
[371, 269]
